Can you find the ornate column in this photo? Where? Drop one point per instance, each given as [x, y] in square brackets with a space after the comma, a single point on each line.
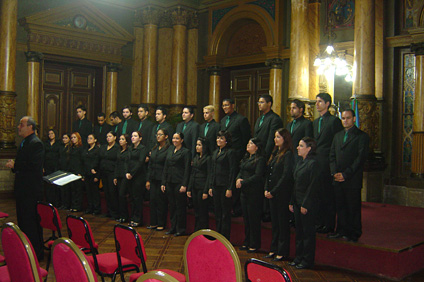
[33, 99]
[215, 89]
[314, 7]
[417, 162]
[299, 51]
[180, 19]
[111, 87]
[275, 82]
[192, 53]
[164, 60]
[8, 15]
[137, 69]
[364, 69]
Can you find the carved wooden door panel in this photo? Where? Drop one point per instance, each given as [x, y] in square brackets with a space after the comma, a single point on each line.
[246, 86]
[64, 88]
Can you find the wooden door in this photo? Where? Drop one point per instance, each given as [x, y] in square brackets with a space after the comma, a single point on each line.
[246, 87]
[65, 87]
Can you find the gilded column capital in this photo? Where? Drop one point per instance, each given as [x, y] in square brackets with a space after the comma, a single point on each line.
[166, 20]
[180, 16]
[418, 48]
[113, 67]
[214, 70]
[193, 22]
[149, 15]
[275, 63]
[34, 56]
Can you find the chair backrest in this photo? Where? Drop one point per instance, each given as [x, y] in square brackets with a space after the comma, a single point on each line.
[19, 253]
[130, 245]
[70, 263]
[80, 233]
[156, 276]
[49, 217]
[209, 256]
[261, 271]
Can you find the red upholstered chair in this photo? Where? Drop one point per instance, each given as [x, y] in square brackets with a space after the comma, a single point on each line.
[79, 232]
[131, 252]
[2, 260]
[209, 256]
[70, 263]
[49, 219]
[22, 263]
[262, 271]
[3, 215]
[156, 276]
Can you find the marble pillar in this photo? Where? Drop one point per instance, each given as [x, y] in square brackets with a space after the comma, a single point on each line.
[314, 7]
[417, 162]
[8, 16]
[299, 51]
[164, 60]
[192, 53]
[215, 89]
[137, 69]
[111, 87]
[276, 82]
[33, 99]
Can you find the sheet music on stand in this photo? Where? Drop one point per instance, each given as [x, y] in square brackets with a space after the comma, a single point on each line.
[61, 178]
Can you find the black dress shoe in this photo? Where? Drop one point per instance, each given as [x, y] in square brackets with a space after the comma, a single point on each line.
[179, 234]
[302, 266]
[243, 248]
[170, 232]
[324, 230]
[152, 227]
[292, 263]
[282, 258]
[250, 251]
[334, 235]
[269, 255]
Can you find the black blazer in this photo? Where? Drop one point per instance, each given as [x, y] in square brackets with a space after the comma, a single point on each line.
[75, 160]
[177, 167]
[306, 177]
[239, 128]
[145, 127]
[89, 158]
[121, 159]
[157, 163]
[266, 131]
[84, 129]
[349, 157]
[132, 126]
[252, 171]
[330, 125]
[210, 136]
[107, 159]
[155, 128]
[51, 156]
[302, 128]
[28, 168]
[280, 174]
[101, 131]
[135, 164]
[200, 174]
[190, 135]
[224, 167]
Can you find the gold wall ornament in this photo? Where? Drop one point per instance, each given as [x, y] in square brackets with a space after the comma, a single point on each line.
[369, 120]
[7, 119]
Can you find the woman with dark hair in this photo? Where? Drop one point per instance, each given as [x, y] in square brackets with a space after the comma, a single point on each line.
[120, 181]
[199, 184]
[105, 164]
[158, 201]
[176, 176]
[136, 178]
[89, 157]
[251, 180]
[303, 203]
[76, 167]
[65, 191]
[278, 189]
[222, 183]
[52, 150]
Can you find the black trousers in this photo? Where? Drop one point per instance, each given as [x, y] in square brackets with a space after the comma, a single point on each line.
[158, 204]
[111, 194]
[93, 195]
[52, 194]
[280, 216]
[28, 222]
[122, 197]
[305, 236]
[77, 194]
[65, 195]
[137, 189]
[222, 211]
[177, 207]
[201, 209]
[251, 204]
[326, 215]
[348, 203]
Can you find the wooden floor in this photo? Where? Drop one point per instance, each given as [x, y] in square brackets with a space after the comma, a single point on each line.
[165, 251]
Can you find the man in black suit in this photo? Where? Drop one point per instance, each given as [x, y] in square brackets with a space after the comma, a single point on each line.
[325, 127]
[348, 154]
[299, 127]
[190, 129]
[28, 169]
[145, 126]
[160, 116]
[83, 126]
[115, 120]
[209, 129]
[267, 124]
[128, 125]
[101, 129]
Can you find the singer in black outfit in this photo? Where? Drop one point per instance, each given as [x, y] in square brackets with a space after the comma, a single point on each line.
[89, 157]
[76, 167]
[52, 149]
[120, 180]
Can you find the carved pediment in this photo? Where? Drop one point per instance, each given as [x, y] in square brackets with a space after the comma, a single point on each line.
[76, 30]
